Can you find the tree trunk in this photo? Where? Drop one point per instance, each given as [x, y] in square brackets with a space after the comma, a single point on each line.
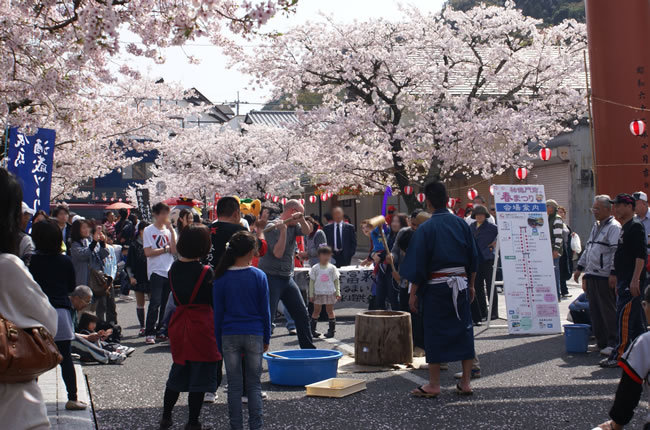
[383, 337]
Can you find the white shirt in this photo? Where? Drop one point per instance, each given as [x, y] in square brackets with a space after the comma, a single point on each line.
[339, 225]
[646, 223]
[324, 278]
[156, 239]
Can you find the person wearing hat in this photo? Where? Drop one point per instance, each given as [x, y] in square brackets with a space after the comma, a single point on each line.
[485, 234]
[26, 247]
[629, 269]
[556, 229]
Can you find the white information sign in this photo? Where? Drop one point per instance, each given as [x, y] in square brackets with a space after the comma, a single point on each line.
[526, 259]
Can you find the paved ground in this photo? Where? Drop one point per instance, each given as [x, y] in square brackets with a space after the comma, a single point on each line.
[55, 397]
[528, 382]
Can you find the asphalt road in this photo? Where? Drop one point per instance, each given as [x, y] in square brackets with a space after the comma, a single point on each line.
[529, 382]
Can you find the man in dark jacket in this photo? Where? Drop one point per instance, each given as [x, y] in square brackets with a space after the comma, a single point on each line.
[342, 238]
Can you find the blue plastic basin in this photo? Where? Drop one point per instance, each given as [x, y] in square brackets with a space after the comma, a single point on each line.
[576, 337]
[302, 366]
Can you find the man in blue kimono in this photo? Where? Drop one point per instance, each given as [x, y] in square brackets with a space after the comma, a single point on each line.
[441, 264]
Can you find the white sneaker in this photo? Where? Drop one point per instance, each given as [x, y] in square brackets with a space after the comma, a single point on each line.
[244, 399]
[150, 340]
[264, 395]
[116, 358]
[210, 397]
[606, 351]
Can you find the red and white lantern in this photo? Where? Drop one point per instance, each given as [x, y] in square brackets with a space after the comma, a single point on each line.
[324, 197]
[312, 199]
[521, 173]
[302, 202]
[472, 193]
[451, 202]
[329, 194]
[267, 196]
[637, 127]
[545, 154]
[408, 190]
[492, 189]
[284, 200]
[421, 197]
[275, 199]
[119, 200]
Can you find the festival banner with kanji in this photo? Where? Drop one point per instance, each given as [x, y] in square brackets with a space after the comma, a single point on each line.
[526, 259]
[30, 158]
[142, 196]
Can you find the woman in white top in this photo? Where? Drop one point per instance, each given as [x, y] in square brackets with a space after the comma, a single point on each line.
[23, 302]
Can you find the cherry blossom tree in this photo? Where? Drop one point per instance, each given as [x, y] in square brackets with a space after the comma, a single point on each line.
[61, 70]
[426, 96]
[245, 162]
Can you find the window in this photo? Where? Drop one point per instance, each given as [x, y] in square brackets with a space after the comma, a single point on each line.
[139, 171]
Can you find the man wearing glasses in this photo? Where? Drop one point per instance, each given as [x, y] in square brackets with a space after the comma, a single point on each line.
[597, 262]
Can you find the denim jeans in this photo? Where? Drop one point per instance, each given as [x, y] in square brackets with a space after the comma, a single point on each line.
[285, 289]
[556, 267]
[291, 324]
[233, 346]
[169, 312]
[159, 287]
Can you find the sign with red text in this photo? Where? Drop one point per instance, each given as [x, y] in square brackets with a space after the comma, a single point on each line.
[526, 259]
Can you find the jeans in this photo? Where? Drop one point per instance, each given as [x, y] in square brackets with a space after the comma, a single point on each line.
[285, 289]
[291, 324]
[67, 369]
[385, 289]
[169, 312]
[556, 267]
[159, 292]
[233, 347]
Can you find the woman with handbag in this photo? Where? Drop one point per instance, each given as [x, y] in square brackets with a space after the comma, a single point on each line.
[191, 337]
[24, 304]
[88, 253]
[53, 271]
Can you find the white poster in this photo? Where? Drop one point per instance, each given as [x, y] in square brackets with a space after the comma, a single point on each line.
[526, 259]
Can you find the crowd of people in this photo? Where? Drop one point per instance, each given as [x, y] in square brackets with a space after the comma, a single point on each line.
[214, 289]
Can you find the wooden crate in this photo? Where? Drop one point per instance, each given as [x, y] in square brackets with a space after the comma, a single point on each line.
[336, 387]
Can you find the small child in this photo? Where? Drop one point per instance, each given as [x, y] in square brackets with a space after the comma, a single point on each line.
[324, 289]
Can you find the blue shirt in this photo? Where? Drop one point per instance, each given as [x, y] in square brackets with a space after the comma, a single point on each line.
[484, 235]
[241, 304]
[443, 241]
[580, 304]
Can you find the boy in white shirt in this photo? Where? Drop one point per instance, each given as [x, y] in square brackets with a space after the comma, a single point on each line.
[159, 241]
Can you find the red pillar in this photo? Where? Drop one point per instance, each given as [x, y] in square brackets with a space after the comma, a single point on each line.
[619, 56]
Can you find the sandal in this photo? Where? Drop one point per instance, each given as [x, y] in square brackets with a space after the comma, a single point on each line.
[462, 392]
[419, 392]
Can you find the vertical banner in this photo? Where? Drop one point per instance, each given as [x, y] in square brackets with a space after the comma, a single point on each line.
[31, 158]
[526, 259]
[144, 205]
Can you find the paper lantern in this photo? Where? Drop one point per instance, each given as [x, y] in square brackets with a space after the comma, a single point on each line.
[217, 196]
[275, 199]
[302, 201]
[472, 193]
[324, 197]
[545, 154]
[329, 194]
[521, 173]
[267, 196]
[312, 199]
[451, 202]
[420, 197]
[637, 127]
[119, 200]
[492, 189]
[408, 190]
[284, 200]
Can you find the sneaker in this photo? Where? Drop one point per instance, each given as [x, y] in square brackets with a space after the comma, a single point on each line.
[606, 351]
[75, 356]
[244, 399]
[165, 424]
[150, 340]
[608, 363]
[162, 338]
[264, 395]
[126, 350]
[116, 358]
[476, 373]
[141, 332]
[210, 397]
[75, 405]
[293, 332]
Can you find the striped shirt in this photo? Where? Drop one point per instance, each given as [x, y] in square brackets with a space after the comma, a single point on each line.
[556, 227]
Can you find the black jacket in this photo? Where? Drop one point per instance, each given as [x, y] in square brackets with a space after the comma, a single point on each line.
[348, 239]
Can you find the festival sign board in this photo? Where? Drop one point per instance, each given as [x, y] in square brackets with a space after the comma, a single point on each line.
[30, 158]
[526, 259]
[144, 205]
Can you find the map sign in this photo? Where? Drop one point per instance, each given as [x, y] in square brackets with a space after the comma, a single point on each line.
[526, 259]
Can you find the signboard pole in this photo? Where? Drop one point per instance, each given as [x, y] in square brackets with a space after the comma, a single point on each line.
[493, 291]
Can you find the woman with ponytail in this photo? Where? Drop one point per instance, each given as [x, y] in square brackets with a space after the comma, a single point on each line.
[242, 323]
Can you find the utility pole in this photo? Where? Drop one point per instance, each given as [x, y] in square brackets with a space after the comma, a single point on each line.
[237, 103]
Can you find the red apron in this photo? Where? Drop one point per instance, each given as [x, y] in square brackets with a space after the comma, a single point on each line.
[191, 329]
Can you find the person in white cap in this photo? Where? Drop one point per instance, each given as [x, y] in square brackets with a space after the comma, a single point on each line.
[26, 247]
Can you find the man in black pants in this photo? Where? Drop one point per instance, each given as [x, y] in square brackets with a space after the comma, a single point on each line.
[278, 264]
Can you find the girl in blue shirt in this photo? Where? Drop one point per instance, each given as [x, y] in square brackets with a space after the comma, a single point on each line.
[242, 324]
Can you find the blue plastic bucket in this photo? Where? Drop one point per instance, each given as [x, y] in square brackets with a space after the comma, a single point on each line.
[576, 337]
[302, 366]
